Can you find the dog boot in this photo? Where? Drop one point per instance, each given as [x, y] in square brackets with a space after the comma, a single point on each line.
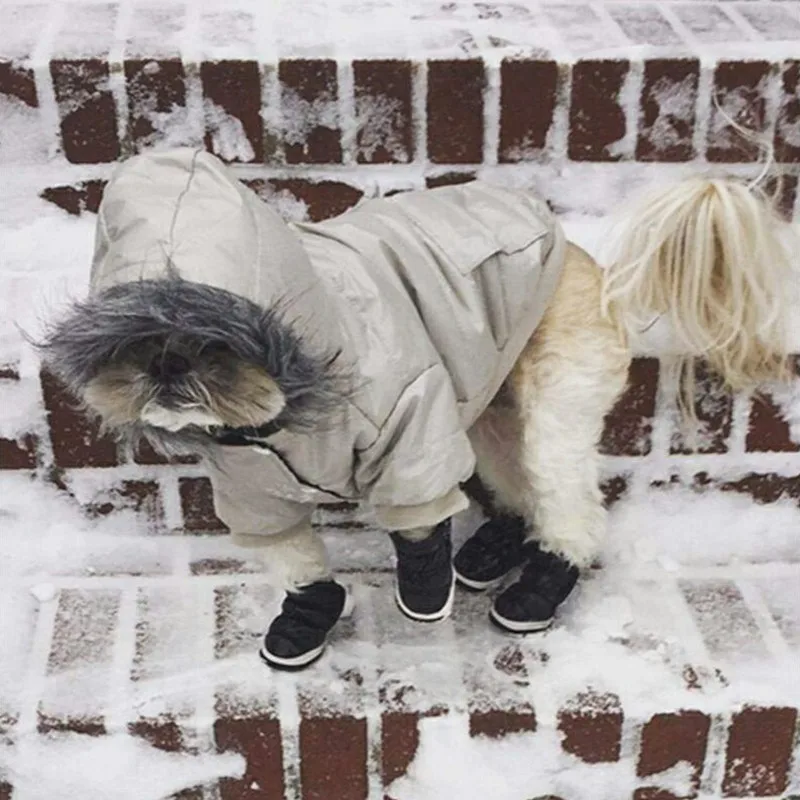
[530, 603]
[298, 635]
[425, 579]
[490, 553]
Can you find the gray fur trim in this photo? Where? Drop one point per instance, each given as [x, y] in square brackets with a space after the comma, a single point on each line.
[99, 330]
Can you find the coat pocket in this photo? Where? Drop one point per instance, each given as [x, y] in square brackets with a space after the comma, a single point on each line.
[470, 224]
[289, 483]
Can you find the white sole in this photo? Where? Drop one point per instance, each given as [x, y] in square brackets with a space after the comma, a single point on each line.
[479, 586]
[304, 659]
[441, 614]
[515, 626]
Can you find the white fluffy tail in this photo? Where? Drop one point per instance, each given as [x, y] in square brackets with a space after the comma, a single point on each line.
[712, 257]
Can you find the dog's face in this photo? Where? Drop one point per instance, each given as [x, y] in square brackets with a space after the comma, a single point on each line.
[173, 382]
[174, 361]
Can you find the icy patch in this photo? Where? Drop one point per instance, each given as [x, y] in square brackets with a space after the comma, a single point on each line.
[119, 766]
[228, 138]
[675, 103]
[298, 117]
[377, 120]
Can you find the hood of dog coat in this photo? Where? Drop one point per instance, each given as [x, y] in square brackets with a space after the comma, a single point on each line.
[182, 213]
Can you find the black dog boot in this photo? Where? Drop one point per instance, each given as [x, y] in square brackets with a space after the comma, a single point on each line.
[425, 579]
[530, 604]
[490, 553]
[298, 635]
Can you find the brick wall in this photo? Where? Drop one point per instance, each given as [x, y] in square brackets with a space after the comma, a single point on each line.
[315, 135]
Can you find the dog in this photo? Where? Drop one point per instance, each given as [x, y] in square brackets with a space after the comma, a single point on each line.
[390, 355]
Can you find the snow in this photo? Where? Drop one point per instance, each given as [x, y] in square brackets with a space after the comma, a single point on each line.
[141, 631]
[97, 768]
[518, 767]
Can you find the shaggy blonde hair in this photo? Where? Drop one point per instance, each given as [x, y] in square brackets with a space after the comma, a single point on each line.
[711, 255]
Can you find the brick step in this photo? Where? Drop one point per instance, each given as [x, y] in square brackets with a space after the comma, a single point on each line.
[656, 705]
[748, 445]
[479, 83]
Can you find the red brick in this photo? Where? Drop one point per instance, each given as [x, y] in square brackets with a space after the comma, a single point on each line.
[510, 660]
[306, 84]
[323, 199]
[18, 454]
[667, 110]
[152, 87]
[614, 489]
[146, 455]
[669, 739]
[740, 88]
[496, 723]
[218, 566]
[643, 23]
[787, 128]
[714, 409]
[528, 91]
[767, 430]
[399, 743]
[591, 728]
[651, 793]
[759, 752]
[708, 22]
[83, 196]
[76, 442]
[85, 726]
[449, 179]
[596, 116]
[383, 96]
[162, 733]
[455, 111]
[258, 739]
[140, 496]
[197, 504]
[235, 86]
[766, 488]
[630, 423]
[18, 82]
[83, 641]
[87, 110]
[782, 190]
[333, 758]
[771, 21]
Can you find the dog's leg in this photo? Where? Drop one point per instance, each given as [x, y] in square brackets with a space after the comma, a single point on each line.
[543, 467]
[314, 602]
[294, 558]
[425, 582]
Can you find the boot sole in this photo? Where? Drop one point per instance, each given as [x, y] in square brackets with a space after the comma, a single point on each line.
[436, 616]
[479, 586]
[304, 660]
[291, 664]
[517, 626]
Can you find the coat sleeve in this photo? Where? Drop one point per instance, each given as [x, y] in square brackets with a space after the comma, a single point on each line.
[422, 452]
[241, 502]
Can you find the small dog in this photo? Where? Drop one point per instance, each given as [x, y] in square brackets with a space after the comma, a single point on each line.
[388, 355]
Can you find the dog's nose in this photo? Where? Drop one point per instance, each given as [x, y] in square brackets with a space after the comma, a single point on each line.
[169, 365]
